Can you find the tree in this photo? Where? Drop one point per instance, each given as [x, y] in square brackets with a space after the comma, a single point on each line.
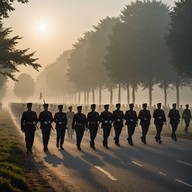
[137, 47]
[6, 6]
[179, 37]
[11, 57]
[2, 87]
[25, 87]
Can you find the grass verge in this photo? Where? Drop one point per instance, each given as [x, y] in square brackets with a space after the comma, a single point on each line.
[12, 158]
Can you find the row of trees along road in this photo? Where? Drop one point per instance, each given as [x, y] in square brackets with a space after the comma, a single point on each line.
[10, 56]
[132, 51]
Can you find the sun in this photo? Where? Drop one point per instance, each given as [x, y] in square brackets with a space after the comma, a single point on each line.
[42, 27]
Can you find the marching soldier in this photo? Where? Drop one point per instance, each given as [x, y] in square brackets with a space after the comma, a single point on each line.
[159, 120]
[93, 124]
[70, 115]
[131, 122]
[187, 117]
[28, 126]
[145, 118]
[79, 124]
[106, 119]
[46, 119]
[60, 119]
[174, 120]
[118, 117]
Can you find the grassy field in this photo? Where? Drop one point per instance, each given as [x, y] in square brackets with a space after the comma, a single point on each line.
[12, 158]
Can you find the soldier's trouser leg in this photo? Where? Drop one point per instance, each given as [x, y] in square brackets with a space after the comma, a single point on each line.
[93, 134]
[117, 133]
[187, 121]
[58, 135]
[32, 136]
[27, 140]
[144, 132]
[174, 128]
[46, 134]
[62, 136]
[79, 136]
[131, 130]
[158, 128]
[106, 133]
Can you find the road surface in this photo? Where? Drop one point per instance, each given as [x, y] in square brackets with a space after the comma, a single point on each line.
[148, 168]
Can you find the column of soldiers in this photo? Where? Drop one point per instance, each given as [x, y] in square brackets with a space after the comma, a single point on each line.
[79, 123]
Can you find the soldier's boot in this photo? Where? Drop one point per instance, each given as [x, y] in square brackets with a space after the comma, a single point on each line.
[142, 139]
[156, 138]
[28, 151]
[104, 144]
[61, 147]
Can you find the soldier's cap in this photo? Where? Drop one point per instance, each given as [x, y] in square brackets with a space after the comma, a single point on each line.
[174, 104]
[93, 105]
[29, 104]
[131, 105]
[144, 104]
[106, 105]
[118, 104]
[158, 104]
[79, 107]
[45, 105]
[60, 106]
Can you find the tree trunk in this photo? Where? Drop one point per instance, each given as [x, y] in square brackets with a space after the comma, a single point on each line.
[150, 95]
[79, 99]
[177, 94]
[85, 97]
[100, 96]
[88, 97]
[133, 94]
[128, 94]
[111, 95]
[165, 96]
[119, 93]
[93, 95]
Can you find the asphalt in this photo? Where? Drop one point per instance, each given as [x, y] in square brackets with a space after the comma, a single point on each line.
[140, 168]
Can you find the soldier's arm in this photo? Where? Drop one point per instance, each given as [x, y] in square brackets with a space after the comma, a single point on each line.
[55, 118]
[22, 122]
[51, 119]
[73, 123]
[65, 119]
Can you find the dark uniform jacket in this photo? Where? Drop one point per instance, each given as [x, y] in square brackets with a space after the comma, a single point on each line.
[93, 119]
[79, 121]
[106, 118]
[29, 121]
[131, 117]
[118, 117]
[145, 117]
[174, 116]
[46, 118]
[186, 114]
[159, 116]
[60, 119]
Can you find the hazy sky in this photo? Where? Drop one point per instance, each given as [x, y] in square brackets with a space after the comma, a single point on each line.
[51, 26]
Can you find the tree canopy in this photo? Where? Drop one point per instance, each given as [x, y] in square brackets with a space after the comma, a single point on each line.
[25, 87]
[179, 37]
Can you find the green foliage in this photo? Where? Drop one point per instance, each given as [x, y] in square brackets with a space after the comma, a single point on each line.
[11, 57]
[179, 37]
[6, 6]
[25, 86]
[86, 68]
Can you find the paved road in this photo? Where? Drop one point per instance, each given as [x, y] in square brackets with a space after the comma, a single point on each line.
[148, 168]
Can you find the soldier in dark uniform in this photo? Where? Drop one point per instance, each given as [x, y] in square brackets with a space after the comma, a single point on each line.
[174, 120]
[131, 122]
[60, 119]
[93, 124]
[46, 119]
[187, 117]
[159, 120]
[106, 119]
[118, 117]
[145, 118]
[28, 126]
[79, 124]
